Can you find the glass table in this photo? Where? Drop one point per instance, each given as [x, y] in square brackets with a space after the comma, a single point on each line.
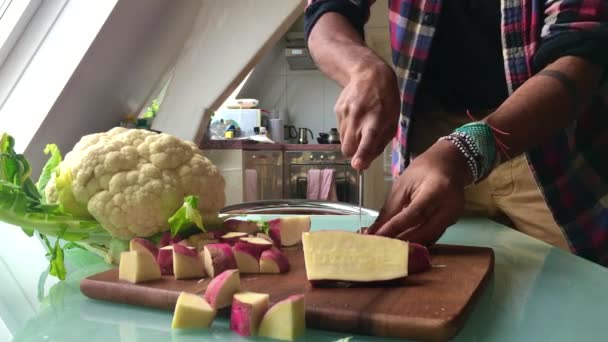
[537, 293]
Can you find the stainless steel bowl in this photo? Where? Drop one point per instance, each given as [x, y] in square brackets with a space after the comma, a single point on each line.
[296, 207]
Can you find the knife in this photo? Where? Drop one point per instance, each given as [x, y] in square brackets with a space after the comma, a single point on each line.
[360, 178]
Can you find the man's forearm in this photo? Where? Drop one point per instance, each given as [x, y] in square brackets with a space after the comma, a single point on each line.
[339, 50]
[546, 103]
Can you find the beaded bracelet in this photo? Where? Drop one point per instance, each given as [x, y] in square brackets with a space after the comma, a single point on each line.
[477, 144]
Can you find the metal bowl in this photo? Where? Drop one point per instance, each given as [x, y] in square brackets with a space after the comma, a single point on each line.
[296, 207]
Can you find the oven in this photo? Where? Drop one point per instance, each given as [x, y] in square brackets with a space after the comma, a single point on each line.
[298, 163]
[266, 167]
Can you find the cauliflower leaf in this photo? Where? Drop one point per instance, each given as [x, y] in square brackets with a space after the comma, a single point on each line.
[49, 167]
[186, 217]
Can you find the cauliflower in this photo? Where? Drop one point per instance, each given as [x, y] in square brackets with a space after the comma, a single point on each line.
[131, 181]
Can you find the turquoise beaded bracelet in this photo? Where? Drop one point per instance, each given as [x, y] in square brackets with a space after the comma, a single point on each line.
[477, 143]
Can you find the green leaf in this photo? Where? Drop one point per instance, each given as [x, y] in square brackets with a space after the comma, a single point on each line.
[25, 170]
[72, 245]
[10, 169]
[186, 216]
[49, 167]
[7, 143]
[21, 205]
[30, 190]
[263, 227]
[28, 231]
[57, 265]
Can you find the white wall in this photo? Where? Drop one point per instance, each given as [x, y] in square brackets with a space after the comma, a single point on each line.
[308, 97]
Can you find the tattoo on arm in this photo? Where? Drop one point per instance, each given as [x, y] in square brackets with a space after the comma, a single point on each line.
[566, 82]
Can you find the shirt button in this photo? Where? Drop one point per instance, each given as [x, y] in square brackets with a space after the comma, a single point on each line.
[428, 19]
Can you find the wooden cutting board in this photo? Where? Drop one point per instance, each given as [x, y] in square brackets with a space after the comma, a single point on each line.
[427, 306]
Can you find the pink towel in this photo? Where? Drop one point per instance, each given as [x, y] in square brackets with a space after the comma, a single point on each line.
[313, 184]
[328, 185]
[251, 185]
[321, 185]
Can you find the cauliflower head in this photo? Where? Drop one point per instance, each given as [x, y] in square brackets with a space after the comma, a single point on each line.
[131, 181]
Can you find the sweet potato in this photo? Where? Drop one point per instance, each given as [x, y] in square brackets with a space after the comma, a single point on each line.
[273, 261]
[167, 240]
[347, 256]
[286, 320]
[192, 311]
[165, 260]
[138, 267]
[144, 245]
[263, 244]
[248, 308]
[200, 244]
[235, 225]
[265, 237]
[287, 231]
[419, 258]
[218, 257]
[232, 238]
[247, 257]
[187, 263]
[221, 289]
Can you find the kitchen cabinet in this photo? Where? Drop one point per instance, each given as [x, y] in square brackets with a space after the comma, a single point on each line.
[240, 166]
[267, 169]
[230, 165]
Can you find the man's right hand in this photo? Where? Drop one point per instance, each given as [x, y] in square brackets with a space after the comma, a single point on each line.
[368, 113]
[369, 105]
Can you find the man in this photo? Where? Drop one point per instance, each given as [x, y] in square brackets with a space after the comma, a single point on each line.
[494, 106]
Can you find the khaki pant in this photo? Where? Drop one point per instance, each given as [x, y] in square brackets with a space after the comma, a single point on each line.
[508, 195]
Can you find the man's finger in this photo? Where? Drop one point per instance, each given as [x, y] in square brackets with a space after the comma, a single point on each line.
[349, 141]
[366, 152]
[430, 231]
[394, 226]
[394, 203]
[379, 222]
[406, 219]
[416, 213]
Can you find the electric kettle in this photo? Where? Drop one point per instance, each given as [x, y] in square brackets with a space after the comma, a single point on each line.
[303, 135]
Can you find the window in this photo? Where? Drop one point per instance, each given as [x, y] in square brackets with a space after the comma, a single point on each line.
[14, 17]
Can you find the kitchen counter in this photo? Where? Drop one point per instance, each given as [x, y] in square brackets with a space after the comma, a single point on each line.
[252, 146]
[238, 145]
[537, 293]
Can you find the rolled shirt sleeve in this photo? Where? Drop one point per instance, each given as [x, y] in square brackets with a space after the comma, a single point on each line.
[574, 28]
[356, 11]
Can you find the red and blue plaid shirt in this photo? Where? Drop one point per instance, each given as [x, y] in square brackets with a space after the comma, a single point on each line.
[572, 167]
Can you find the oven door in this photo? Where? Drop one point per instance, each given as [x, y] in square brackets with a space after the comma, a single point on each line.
[267, 168]
[296, 175]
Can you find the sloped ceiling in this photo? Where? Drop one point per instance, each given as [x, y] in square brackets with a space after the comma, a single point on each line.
[227, 40]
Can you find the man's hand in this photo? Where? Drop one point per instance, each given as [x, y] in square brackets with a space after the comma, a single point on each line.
[427, 198]
[368, 113]
[368, 108]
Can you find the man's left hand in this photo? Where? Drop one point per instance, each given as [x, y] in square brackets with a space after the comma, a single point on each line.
[427, 198]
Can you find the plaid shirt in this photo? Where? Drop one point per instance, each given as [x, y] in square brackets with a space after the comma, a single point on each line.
[571, 168]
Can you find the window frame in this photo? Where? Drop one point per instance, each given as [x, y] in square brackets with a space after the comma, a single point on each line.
[14, 19]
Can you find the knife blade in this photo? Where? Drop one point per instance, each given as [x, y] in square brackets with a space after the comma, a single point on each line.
[360, 181]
